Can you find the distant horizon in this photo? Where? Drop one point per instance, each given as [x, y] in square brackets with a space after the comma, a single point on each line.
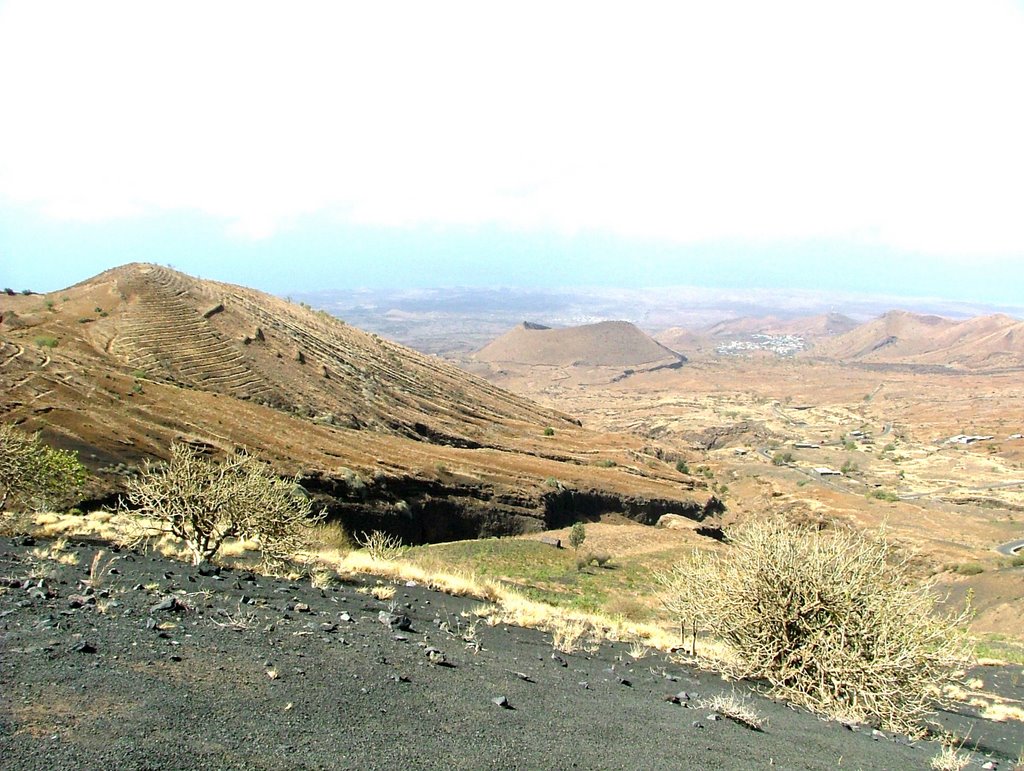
[866, 147]
[778, 299]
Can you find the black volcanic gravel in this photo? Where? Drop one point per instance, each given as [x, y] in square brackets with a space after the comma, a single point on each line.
[238, 671]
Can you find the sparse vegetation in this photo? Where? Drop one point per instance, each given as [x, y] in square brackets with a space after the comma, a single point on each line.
[782, 458]
[831, 619]
[33, 472]
[204, 503]
[45, 341]
[884, 495]
[549, 431]
[682, 467]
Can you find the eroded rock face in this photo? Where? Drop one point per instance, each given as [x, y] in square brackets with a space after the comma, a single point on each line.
[431, 511]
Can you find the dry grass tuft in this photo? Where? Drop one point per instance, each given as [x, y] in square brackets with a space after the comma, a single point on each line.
[383, 593]
[567, 635]
[951, 758]
[736, 709]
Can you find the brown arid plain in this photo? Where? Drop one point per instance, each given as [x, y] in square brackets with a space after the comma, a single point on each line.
[767, 432]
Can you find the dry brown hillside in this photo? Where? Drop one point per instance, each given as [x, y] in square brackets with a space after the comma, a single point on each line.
[121, 365]
[809, 327]
[606, 344]
[899, 337]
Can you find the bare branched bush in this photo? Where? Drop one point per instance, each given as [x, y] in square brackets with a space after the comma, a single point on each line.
[33, 472]
[204, 503]
[380, 545]
[831, 619]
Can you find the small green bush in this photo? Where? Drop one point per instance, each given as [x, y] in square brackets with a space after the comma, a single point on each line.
[884, 495]
[577, 536]
[970, 568]
[549, 431]
[1017, 561]
[33, 472]
[46, 342]
[782, 458]
[682, 467]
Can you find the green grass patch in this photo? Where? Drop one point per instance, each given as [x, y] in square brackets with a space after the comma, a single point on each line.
[996, 646]
[544, 573]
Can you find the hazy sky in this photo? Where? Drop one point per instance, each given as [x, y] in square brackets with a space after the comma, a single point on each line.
[866, 146]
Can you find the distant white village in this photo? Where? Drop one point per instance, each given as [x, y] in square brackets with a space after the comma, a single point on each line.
[781, 345]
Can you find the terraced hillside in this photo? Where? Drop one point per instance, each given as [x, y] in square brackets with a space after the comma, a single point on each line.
[123, 364]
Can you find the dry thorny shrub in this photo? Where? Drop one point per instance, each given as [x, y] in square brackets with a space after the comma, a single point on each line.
[204, 503]
[831, 619]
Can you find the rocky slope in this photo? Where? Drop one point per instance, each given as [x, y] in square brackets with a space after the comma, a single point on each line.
[153, 664]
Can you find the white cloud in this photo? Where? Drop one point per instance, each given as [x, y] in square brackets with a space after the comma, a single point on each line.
[898, 122]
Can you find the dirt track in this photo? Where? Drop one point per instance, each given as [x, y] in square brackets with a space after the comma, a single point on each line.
[183, 670]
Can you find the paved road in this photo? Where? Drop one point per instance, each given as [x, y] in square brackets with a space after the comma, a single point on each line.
[1012, 548]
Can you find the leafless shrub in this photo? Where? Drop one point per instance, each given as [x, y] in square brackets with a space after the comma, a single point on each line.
[203, 503]
[380, 545]
[830, 618]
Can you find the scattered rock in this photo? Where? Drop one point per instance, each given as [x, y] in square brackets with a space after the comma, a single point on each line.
[168, 603]
[80, 600]
[83, 647]
[301, 607]
[502, 702]
[398, 621]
